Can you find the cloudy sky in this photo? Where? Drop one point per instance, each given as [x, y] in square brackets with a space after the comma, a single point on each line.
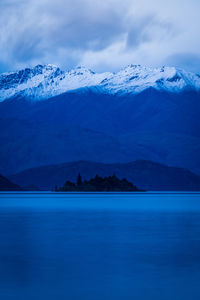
[104, 35]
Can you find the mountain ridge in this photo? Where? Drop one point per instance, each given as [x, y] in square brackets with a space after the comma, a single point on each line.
[45, 81]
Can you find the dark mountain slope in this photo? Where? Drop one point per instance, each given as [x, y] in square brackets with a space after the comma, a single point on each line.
[88, 125]
[7, 185]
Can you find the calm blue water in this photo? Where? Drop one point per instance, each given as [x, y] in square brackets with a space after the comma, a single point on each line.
[99, 246]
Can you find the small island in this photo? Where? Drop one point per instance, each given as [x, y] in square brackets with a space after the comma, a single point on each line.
[99, 184]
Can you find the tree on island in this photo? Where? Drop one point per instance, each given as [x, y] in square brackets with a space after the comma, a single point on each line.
[100, 184]
[79, 180]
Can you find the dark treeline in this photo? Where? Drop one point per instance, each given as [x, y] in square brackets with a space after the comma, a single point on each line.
[99, 184]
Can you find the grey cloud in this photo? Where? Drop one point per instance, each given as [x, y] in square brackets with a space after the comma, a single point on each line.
[187, 61]
[87, 28]
[33, 31]
[145, 29]
[139, 31]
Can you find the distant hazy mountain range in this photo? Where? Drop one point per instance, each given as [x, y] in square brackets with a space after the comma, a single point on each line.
[144, 174]
[48, 116]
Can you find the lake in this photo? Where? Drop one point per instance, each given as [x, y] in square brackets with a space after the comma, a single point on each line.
[100, 246]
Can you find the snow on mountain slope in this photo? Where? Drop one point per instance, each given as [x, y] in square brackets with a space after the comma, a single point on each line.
[43, 82]
[46, 81]
[135, 79]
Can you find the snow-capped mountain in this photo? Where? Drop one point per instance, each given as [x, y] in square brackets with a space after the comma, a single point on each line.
[46, 81]
[137, 113]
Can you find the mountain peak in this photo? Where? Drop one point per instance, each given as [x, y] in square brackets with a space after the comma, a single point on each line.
[132, 66]
[81, 70]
